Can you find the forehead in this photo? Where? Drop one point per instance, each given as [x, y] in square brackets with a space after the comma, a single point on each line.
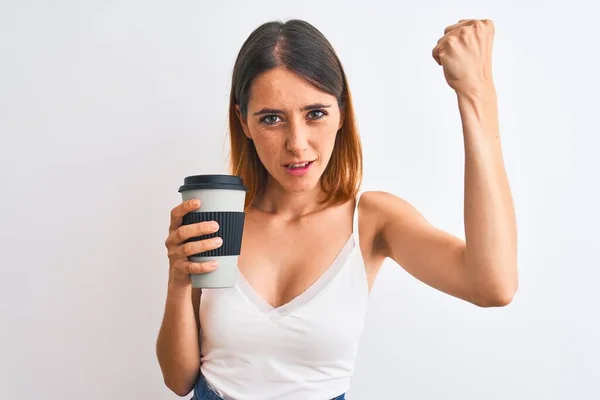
[282, 87]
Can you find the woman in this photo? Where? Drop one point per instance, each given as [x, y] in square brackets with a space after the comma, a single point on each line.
[290, 327]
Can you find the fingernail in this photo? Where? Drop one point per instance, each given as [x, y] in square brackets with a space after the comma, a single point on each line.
[195, 203]
[217, 241]
[214, 264]
[214, 226]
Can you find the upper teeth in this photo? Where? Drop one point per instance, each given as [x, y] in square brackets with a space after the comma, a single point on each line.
[297, 165]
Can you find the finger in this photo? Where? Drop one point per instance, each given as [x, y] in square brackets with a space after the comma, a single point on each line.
[180, 211]
[200, 246]
[438, 49]
[190, 267]
[461, 23]
[185, 232]
[435, 53]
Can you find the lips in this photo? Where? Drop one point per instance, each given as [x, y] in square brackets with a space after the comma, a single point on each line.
[298, 163]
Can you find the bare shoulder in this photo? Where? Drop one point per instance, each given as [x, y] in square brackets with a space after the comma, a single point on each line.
[381, 200]
[376, 209]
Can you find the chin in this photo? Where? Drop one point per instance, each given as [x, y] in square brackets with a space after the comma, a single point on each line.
[303, 188]
[299, 186]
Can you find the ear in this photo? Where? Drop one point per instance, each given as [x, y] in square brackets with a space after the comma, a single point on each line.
[342, 118]
[242, 121]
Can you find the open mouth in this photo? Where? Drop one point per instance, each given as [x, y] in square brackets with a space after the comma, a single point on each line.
[302, 165]
[299, 169]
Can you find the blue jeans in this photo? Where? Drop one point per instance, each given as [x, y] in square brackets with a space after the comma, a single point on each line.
[203, 392]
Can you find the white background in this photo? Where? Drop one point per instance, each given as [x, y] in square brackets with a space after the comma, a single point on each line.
[106, 105]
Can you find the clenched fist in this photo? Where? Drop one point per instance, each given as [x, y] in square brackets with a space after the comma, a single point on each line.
[465, 53]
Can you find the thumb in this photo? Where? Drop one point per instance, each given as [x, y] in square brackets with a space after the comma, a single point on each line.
[435, 53]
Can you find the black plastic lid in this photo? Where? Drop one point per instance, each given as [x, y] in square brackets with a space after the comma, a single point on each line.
[231, 182]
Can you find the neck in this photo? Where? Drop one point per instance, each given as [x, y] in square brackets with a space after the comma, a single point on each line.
[275, 199]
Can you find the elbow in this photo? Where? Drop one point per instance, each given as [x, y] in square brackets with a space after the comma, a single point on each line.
[500, 296]
[177, 377]
[178, 381]
[499, 300]
[178, 387]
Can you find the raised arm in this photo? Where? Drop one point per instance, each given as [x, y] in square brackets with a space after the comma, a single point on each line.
[483, 268]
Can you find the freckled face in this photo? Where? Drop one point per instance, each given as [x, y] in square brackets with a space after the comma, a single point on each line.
[291, 121]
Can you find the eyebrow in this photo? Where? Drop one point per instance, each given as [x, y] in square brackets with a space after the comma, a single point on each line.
[311, 107]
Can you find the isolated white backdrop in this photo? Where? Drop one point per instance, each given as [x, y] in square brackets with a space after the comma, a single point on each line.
[105, 106]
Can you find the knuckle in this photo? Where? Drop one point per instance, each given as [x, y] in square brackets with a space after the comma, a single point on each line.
[205, 245]
[180, 267]
[189, 268]
[189, 248]
[182, 232]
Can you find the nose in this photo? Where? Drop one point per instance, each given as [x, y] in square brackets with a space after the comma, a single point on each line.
[297, 137]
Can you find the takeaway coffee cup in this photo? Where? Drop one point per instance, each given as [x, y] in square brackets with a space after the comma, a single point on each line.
[222, 199]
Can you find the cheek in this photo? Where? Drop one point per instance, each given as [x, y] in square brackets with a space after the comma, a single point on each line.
[267, 146]
[327, 137]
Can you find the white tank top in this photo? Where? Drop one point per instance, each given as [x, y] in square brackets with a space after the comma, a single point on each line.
[302, 350]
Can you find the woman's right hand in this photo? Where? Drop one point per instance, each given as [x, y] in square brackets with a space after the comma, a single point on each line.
[178, 251]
